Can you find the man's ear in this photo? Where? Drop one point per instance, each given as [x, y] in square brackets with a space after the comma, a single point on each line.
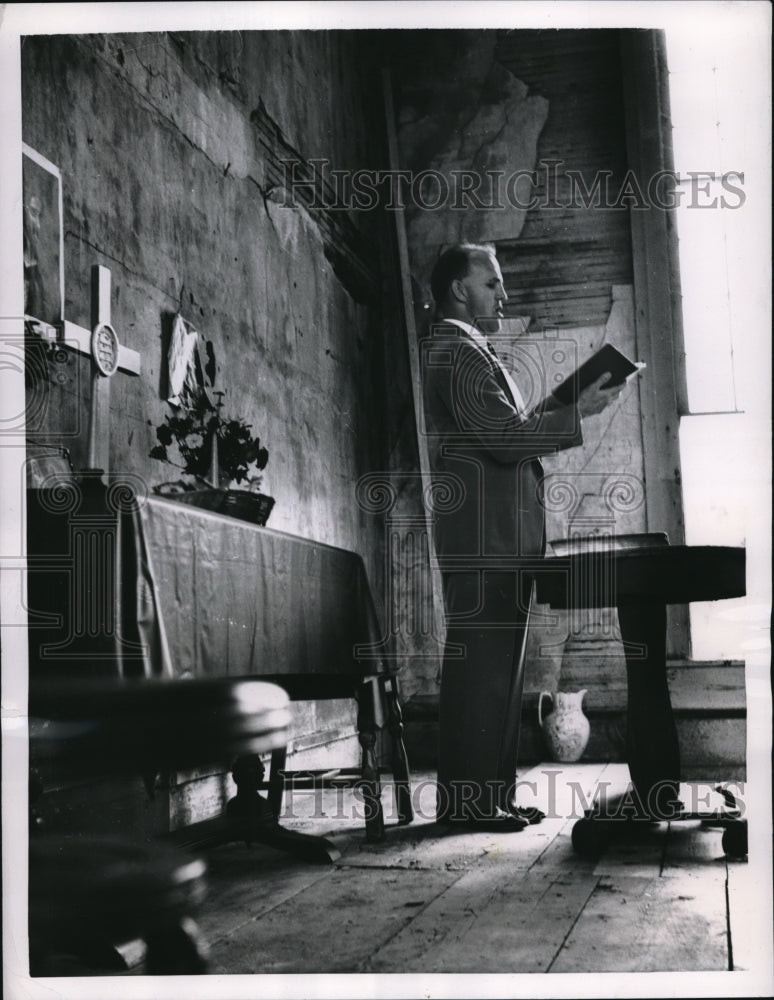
[458, 291]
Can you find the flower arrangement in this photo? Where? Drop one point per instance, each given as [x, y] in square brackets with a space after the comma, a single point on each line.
[213, 449]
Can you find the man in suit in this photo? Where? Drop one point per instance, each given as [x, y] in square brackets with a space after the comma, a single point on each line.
[485, 449]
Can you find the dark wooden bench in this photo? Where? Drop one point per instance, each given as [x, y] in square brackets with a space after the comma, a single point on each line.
[89, 892]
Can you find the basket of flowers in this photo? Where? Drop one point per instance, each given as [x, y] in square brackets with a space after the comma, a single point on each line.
[221, 459]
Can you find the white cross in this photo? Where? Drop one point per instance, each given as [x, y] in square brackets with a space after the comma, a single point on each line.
[108, 357]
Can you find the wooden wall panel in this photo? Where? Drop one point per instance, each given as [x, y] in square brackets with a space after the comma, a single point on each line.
[561, 268]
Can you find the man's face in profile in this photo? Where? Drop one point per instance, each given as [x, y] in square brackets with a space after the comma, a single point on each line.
[483, 286]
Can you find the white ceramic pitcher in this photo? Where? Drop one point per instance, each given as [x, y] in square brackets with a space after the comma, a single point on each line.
[566, 729]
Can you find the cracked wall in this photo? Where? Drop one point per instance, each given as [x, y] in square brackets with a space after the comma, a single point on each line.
[165, 181]
[473, 117]
[162, 173]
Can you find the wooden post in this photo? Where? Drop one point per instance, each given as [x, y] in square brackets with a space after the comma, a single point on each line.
[437, 626]
[657, 308]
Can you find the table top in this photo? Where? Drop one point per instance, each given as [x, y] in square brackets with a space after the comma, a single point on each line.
[670, 574]
[159, 588]
[241, 599]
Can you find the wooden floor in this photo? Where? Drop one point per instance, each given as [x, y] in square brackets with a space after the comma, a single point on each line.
[430, 901]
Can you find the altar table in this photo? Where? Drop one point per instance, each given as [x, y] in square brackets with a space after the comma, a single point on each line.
[249, 600]
[152, 587]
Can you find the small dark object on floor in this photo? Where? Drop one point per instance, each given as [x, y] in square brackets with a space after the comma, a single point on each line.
[531, 814]
[502, 823]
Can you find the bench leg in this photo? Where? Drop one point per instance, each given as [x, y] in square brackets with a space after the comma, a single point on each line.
[175, 949]
[400, 767]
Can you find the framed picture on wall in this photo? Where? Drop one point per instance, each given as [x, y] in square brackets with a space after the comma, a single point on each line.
[43, 240]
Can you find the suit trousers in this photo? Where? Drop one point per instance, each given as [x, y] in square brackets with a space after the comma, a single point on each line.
[481, 690]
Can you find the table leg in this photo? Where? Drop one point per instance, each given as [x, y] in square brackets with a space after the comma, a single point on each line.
[400, 767]
[249, 817]
[371, 782]
[653, 753]
[276, 790]
[371, 787]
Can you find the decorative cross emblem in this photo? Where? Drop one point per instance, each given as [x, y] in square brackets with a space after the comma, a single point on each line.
[108, 356]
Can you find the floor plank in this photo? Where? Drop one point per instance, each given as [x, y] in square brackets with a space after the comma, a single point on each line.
[427, 900]
[750, 939]
[506, 921]
[243, 883]
[636, 924]
[571, 793]
[335, 925]
[560, 790]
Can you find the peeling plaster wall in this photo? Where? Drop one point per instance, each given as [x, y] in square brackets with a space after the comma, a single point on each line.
[164, 181]
[571, 250]
[161, 178]
[481, 119]
[509, 100]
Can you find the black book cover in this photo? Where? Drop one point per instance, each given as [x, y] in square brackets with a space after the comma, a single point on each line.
[606, 359]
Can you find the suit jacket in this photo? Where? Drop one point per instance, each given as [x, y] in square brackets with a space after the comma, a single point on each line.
[485, 452]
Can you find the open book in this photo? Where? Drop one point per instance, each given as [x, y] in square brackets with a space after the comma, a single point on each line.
[606, 359]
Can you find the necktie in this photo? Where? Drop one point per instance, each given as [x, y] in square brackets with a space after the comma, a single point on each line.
[518, 399]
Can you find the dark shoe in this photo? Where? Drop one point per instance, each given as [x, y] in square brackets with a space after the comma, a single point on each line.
[530, 814]
[501, 823]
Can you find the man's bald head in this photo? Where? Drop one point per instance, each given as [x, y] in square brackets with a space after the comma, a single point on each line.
[467, 285]
[455, 263]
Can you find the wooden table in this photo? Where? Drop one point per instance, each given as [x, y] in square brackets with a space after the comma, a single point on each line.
[144, 588]
[640, 583]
